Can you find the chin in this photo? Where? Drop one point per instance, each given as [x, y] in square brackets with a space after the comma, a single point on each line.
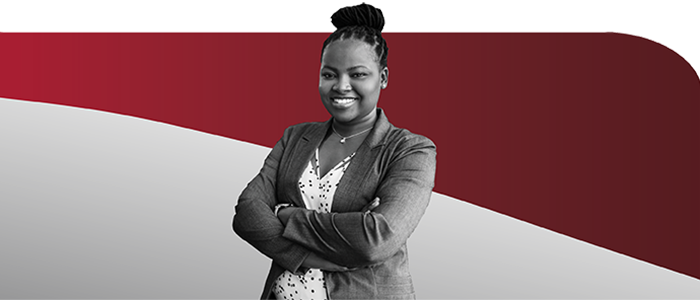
[343, 117]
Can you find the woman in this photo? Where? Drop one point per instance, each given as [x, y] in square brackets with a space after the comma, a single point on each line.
[336, 201]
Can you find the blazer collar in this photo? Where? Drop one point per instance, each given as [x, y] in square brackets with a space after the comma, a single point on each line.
[378, 134]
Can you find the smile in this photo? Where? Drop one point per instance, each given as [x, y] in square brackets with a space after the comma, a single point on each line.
[343, 102]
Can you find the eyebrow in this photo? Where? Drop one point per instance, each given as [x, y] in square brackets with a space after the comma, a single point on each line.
[349, 69]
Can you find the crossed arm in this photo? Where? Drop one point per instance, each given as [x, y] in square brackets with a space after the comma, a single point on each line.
[301, 238]
[313, 260]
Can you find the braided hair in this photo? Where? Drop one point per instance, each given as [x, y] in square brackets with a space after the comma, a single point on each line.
[362, 22]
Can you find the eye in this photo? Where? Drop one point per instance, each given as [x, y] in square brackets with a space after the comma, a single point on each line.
[359, 75]
[327, 75]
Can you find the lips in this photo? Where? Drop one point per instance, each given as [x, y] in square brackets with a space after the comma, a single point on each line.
[343, 102]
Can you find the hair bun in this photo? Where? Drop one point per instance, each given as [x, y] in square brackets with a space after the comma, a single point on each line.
[359, 15]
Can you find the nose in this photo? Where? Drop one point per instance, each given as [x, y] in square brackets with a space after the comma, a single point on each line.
[343, 84]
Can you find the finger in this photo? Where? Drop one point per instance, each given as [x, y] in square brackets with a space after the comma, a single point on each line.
[374, 203]
[370, 206]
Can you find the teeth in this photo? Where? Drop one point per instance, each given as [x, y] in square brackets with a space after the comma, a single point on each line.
[343, 100]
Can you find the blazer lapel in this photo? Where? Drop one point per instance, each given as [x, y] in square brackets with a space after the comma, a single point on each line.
[300, 156]
[366, 157]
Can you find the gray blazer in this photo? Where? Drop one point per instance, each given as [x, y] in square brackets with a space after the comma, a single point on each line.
[392, 163]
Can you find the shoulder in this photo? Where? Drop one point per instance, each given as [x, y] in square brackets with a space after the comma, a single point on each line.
[400, 138]
[400, 144]
[409, 154]
[394, 138]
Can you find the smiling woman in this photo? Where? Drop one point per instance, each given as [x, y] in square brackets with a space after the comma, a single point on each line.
[335, 202]
[351, 82]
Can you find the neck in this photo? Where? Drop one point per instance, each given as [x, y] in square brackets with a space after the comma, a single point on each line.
[347, 129]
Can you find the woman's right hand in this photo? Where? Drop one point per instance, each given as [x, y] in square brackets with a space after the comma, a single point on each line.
[371, 206]
[314, 261]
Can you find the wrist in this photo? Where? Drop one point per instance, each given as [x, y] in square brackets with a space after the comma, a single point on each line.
[280, 206]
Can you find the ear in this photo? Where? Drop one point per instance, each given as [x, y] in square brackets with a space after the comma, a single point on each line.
[384, 77]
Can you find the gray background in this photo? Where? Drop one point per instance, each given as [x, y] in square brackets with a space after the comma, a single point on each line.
[98, 205]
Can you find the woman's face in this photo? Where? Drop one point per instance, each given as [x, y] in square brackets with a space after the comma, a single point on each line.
[350, 81]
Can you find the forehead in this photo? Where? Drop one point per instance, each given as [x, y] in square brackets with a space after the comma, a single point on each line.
[349, 53]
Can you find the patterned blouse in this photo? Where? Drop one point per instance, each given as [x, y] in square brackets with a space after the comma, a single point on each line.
[318, 194]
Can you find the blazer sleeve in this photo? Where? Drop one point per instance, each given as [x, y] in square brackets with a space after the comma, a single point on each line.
[254, 218]
[357, 239]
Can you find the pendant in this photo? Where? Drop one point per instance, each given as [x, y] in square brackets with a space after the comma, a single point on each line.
[342, 141]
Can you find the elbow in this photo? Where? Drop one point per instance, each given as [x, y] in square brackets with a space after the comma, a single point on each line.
[236, 225]
[374, 257]
[376, 254]
[381, 243]
[254, 227]
[243, 223]
[239, 227]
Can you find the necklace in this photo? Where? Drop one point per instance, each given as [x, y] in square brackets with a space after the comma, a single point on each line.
[343, 138]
